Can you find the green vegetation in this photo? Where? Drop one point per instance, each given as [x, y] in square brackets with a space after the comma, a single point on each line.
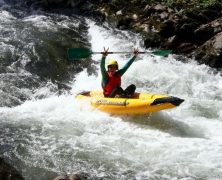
[191, 4]
[211, 2]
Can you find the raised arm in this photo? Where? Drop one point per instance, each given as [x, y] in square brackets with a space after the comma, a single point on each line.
[103, 68]
[128, 64]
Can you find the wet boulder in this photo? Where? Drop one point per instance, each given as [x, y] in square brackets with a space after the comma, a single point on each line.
[207, 31]
[9, 172]
[75, 176]
[210, 53]
[203, 33]
[153, 40]
[167, 29]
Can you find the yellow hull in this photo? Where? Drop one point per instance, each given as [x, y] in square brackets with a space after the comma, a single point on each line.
[140, 103]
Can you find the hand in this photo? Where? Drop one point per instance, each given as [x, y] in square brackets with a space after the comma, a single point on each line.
[136, 52]
[105, 52]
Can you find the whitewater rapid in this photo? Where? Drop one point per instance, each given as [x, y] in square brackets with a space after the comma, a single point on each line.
[57, 134]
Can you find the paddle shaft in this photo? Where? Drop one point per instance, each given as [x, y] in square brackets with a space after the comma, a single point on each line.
[119, 52]
[78, 53]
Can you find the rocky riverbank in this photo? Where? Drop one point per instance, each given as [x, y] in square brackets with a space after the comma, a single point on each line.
[193, 29]
[188, 30]
[8, 172]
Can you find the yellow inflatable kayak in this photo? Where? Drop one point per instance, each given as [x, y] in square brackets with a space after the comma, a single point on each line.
[140, 103]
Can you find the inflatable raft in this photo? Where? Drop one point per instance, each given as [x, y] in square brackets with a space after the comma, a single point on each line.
[140, 103]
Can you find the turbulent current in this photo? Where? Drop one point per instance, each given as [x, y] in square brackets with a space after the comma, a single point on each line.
[45, 132]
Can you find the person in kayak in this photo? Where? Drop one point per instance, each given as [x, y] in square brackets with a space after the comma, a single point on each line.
[111, 78]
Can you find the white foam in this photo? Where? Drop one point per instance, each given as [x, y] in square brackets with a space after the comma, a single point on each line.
[182, 142]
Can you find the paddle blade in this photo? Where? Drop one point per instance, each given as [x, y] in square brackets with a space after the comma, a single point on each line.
[162, 52]
[78, 53]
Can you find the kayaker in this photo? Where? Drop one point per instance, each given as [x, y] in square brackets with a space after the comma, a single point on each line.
[111, 78]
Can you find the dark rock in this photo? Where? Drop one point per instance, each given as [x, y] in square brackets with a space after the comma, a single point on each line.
[185, 48]
[152, 40]
[148, 11]
[203, 33]
[210, 53]
[186, 31]
[64, 3]
[72, 177]
[217, 25]
[207, 31]
[124, 23]
[172, 42]
[197, 17]
[7, 172]
[167, 29]
[211, 14]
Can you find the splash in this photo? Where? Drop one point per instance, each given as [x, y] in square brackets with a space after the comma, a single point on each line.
[59, 134]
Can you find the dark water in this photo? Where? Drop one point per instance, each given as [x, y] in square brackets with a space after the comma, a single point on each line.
[33, 51]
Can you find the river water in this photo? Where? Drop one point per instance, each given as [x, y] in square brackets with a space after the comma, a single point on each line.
[45, 132]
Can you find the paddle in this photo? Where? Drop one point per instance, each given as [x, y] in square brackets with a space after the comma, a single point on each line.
[78, 53]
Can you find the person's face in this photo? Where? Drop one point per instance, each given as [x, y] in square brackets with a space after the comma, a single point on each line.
[112, 68]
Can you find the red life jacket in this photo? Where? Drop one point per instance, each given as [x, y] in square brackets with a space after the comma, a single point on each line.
[113, 82]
